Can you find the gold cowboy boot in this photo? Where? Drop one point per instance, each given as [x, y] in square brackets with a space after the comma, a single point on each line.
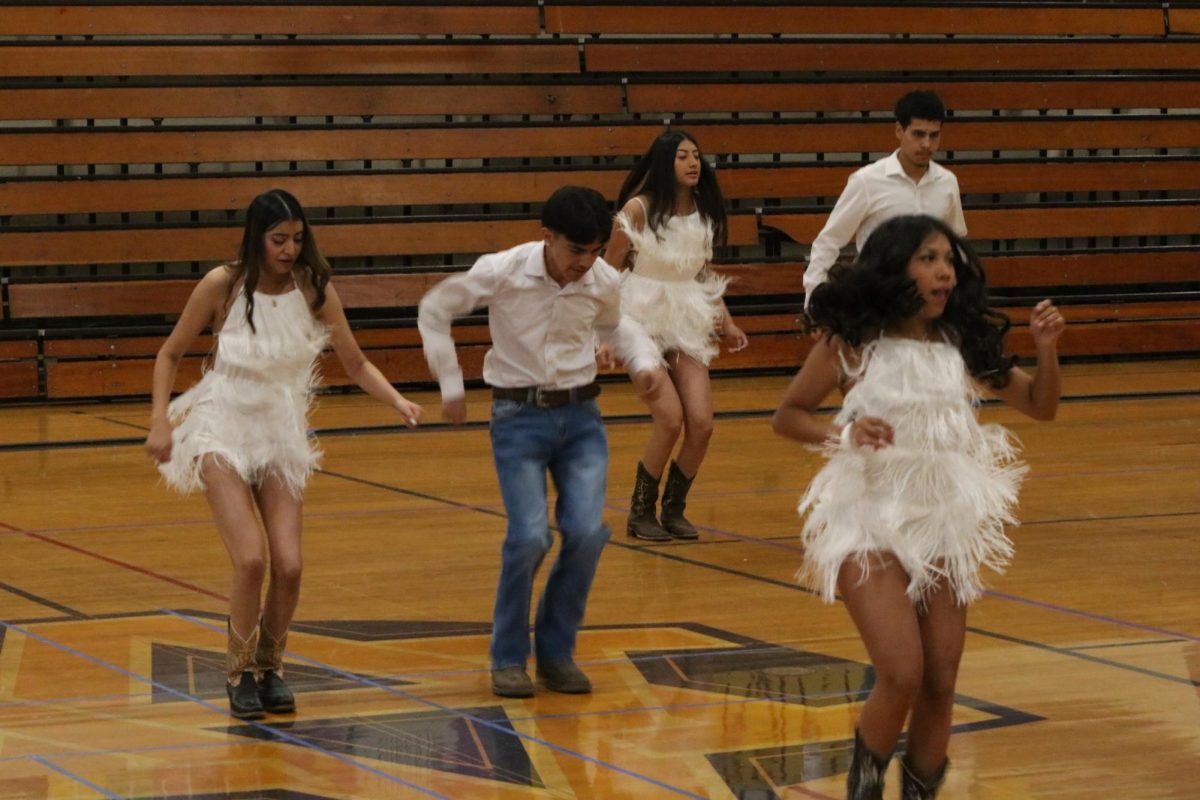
[240, 683]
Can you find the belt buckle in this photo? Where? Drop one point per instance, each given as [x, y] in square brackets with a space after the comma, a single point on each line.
[539, 398]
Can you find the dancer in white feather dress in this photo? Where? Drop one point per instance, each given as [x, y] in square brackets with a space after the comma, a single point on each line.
[672, 214]
[916, 493]
[241, 433]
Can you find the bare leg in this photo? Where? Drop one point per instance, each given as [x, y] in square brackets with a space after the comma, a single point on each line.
[232, 507]
[281, 513]
[694, 390]
[888, 625]
[943, 632]
[667, 416]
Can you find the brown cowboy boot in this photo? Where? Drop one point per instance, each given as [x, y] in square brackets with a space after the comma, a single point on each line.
[239, 671]
[273, 693]
[865, 780]
[915, 788]
[643, 523]
[674, 501]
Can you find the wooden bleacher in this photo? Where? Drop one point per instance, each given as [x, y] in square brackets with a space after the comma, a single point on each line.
[420, 134]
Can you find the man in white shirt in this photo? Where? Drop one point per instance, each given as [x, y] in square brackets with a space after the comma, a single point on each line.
[908, 181]
[547, 301]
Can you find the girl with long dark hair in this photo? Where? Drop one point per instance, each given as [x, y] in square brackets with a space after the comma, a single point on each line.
[241, 433]
[916, 492]
[672, 215]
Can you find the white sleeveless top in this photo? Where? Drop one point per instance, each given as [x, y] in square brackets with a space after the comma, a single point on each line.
[938, 498]
[669, 291]
[251, 409]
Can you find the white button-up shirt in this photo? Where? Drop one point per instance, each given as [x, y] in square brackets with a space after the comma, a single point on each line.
[876, 193]
[543, 334]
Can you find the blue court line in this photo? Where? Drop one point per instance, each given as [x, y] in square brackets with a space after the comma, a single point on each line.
[796, 587]
[118, 751]
[77, 778]
[63, 701]
[793, 586]
[1137, 626]
[456, 712]
[280, 734]
[1012, 598]
[406, 676]
[1085, 657]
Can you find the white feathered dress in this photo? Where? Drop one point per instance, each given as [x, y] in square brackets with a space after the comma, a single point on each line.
[251, 408]
[938, 498]
[668, 291]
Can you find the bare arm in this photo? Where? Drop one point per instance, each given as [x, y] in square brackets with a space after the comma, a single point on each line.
[204, 307]
[821, 374]
[1037, 396]
[795, 417]
[619, 252]
[735, 338]
[359, 369]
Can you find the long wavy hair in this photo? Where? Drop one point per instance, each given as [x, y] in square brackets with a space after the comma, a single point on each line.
[874, 295]
[264, 213]
[654, 176]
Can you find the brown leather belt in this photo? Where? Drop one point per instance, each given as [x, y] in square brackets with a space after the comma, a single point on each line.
[547, 398]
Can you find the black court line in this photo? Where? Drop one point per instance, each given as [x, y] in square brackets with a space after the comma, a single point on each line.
[1111, 518]
[42, 601]
[790, 586]
[77, 444]
[1024, 524]
[613, 419]
[121, 422]
[1115, 645]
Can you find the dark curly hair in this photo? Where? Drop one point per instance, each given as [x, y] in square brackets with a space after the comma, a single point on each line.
[874, 295]
[654, 176]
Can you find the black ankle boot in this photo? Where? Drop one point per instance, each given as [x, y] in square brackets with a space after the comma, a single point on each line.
[275, 695]
[674, 501]
[243, 698]
[643, 523]
[915, 788]
[867, 770]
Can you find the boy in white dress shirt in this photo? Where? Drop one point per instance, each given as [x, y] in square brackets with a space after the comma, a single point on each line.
[907, 182]
[547, 302]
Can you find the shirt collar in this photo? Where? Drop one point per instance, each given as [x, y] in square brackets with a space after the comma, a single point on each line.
[535, 267]
[892, 168]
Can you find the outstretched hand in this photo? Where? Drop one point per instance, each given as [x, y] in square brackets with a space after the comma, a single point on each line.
[410, 412]
[1046, 324]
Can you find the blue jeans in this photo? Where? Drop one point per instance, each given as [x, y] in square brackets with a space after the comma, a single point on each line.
[570, 443]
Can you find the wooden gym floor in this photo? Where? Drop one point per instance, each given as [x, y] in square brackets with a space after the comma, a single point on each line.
[716, 676]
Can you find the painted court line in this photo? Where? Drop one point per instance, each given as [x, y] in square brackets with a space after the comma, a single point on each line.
[119, 751]
[486, 723]
[77, 778]
[116, 562]
[223, 713]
